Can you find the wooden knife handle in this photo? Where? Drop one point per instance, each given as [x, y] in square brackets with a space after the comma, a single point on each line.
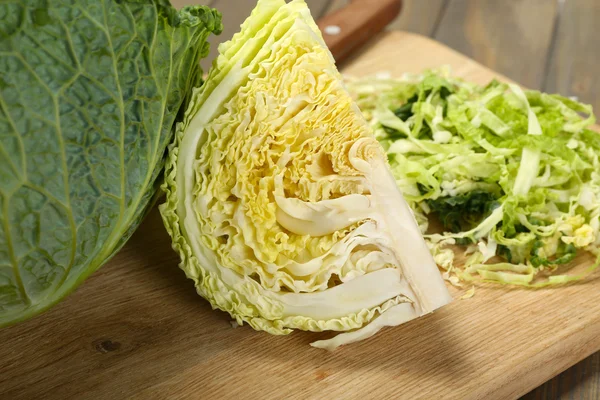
[350, 27]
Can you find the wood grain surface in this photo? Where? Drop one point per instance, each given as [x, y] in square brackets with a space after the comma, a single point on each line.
[490, 30]
[420, 17]
[574, 67]
[136, 329]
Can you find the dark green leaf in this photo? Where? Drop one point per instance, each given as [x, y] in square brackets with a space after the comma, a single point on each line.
[404, 112]
[464, 212]
[89, 93]
[564, 255]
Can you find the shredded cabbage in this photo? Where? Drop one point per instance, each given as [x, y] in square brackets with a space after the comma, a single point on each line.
[513, 175]
[280, 200]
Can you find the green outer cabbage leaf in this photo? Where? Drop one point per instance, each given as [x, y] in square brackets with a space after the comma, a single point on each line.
[89, 93]
[279, 198]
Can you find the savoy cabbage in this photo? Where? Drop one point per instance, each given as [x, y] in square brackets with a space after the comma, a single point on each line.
[89, 93]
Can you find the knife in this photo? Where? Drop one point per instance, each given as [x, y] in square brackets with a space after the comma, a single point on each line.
[352, 26]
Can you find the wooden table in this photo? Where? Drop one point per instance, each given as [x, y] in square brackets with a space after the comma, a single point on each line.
[543, 44]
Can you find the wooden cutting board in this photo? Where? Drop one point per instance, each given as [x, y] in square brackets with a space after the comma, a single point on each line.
[137, 329]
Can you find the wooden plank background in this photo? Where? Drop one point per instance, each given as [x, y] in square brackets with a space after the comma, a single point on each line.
[551, 45]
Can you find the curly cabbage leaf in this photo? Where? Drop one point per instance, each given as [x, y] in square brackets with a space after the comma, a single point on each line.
[512, 174]
[280, 201]
[89, 92]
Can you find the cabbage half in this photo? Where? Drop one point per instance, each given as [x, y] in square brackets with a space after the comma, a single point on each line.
[89, 94]
[280, 200]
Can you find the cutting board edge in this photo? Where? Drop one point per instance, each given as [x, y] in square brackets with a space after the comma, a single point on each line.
[502, 391]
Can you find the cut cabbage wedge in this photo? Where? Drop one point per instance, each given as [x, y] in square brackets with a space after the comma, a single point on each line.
[279, 198]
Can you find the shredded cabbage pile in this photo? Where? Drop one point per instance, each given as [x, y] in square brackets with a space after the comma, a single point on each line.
[512, 175]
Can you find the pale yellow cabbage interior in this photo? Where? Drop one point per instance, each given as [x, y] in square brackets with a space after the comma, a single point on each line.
[279, 198]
